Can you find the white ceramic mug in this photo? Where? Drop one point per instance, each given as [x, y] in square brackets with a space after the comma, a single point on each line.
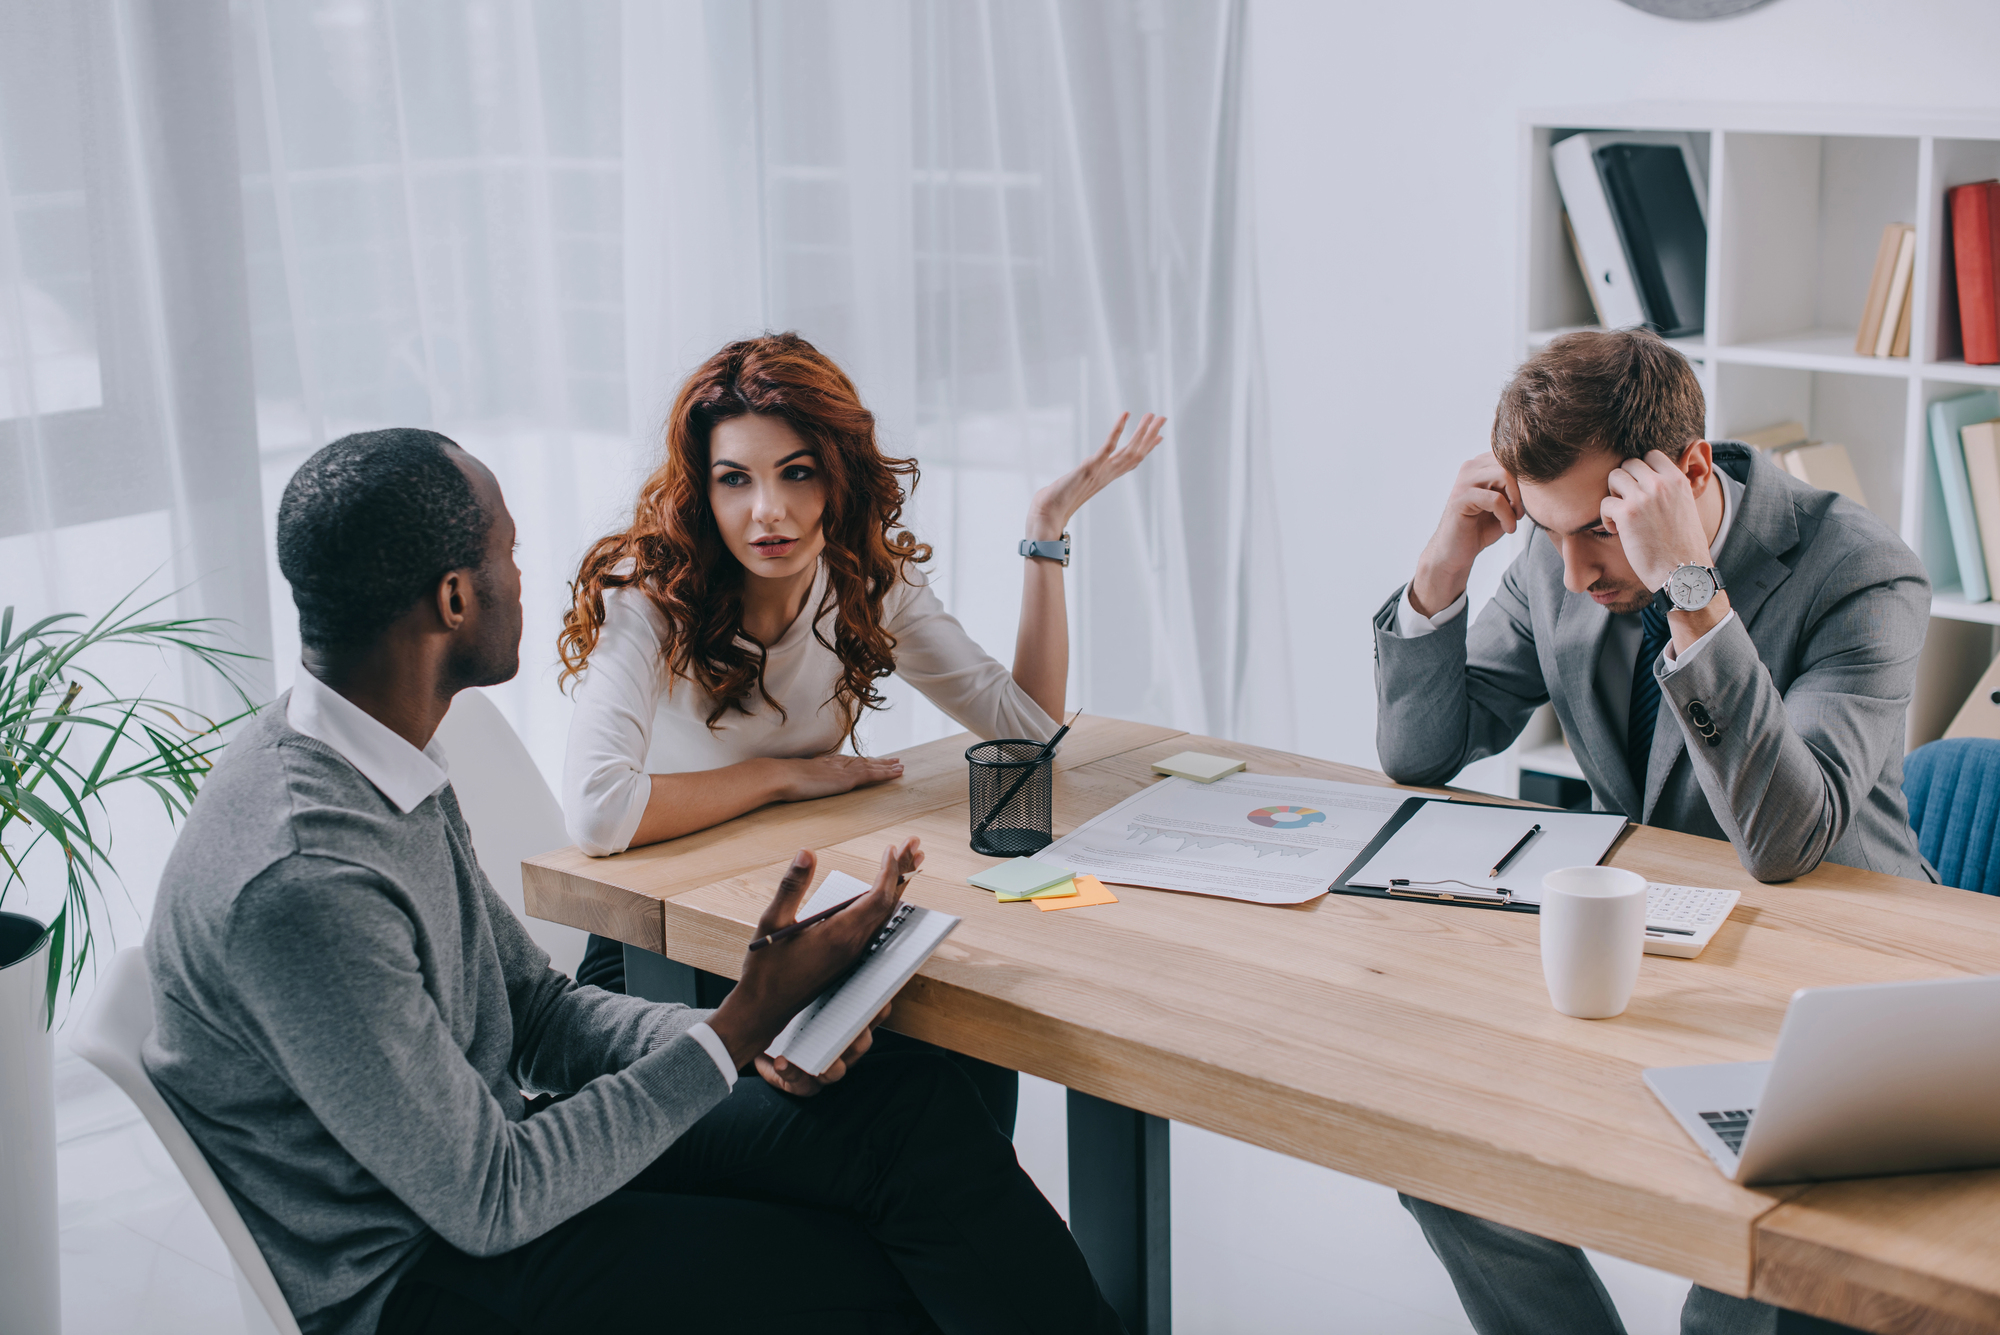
[1593, 935]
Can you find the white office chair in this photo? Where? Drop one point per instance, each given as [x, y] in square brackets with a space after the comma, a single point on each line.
[119, 1018]
[510, 809]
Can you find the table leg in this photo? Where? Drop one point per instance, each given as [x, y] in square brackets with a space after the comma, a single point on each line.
[657, 978]
[1119, 1208]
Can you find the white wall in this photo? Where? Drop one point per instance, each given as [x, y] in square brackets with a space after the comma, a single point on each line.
[1386, 176]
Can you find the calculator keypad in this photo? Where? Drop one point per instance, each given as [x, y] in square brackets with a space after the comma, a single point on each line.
[1680, 919]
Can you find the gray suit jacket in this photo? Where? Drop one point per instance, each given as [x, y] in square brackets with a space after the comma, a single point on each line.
[1808, 687]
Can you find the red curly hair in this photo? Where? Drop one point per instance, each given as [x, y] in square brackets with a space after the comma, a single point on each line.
[682, 564]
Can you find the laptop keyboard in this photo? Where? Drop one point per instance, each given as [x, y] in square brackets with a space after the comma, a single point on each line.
[1730, 1126]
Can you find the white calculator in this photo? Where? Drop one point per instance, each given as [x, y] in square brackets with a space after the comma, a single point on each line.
[1682, 919]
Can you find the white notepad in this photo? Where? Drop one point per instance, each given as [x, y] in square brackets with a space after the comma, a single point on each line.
[818, 1034]
[1450, 846]
[837, 888]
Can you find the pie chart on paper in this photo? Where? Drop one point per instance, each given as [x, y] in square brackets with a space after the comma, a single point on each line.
[1286, 818]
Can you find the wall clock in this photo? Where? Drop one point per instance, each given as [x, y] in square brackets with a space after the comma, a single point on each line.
[1695, 9]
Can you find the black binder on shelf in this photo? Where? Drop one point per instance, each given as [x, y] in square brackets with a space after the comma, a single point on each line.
[1453, 893]
[1666, 239]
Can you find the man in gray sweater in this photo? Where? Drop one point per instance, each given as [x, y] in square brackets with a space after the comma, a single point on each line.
[349, 1017]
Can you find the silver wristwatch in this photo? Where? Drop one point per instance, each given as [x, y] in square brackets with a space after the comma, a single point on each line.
[1691, 588]
[1049, 549]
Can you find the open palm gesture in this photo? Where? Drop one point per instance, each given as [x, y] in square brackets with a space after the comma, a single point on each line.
[1054, 504]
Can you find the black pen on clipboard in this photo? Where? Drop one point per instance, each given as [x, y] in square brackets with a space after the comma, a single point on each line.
[1513, 852]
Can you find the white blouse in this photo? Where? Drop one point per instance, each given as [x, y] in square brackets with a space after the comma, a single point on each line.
[633, 719]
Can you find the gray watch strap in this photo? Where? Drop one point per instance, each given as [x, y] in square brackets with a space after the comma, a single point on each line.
[1049, 549]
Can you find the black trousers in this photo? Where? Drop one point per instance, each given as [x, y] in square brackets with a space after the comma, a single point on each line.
[999, 1088]
[888, 1202]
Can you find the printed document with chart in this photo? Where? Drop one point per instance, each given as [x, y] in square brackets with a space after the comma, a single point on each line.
[1259, 837]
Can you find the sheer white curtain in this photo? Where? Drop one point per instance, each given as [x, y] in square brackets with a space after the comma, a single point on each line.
[521, 222]
[128, 442]
[127, 437]
[433, 204]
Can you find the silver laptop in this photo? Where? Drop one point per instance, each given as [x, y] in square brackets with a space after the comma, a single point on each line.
[1872, 1079]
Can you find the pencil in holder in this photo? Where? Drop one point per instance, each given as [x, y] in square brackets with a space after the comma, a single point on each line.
[1013, 795]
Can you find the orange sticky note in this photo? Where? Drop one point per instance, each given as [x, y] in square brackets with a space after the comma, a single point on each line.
[1089, 890]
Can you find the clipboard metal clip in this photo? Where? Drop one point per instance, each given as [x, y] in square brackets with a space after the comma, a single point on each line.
[1435, 890]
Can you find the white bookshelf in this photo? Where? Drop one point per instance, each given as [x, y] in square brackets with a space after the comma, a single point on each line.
[1797, 199]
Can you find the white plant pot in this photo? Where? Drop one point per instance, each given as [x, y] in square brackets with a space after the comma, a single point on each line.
[28, 1245]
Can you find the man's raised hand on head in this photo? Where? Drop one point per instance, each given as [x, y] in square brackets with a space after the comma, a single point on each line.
[1484, 505]
[1650, 505]
[780, 979]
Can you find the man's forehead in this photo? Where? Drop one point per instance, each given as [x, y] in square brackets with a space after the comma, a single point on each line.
[1571, 503]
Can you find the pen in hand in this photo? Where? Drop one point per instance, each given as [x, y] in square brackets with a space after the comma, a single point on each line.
[1520, 844]
[786, 933]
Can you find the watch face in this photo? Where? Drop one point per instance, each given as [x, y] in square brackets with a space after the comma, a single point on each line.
[1691, 588]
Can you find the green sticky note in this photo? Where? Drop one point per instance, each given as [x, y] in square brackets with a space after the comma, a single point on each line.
[1060, 890]
[1199, 766]
[1019, 877]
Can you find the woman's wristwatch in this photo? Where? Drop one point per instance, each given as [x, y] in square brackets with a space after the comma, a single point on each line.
[1049, 549]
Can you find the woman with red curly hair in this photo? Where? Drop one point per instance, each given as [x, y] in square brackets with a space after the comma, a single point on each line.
[703, 687]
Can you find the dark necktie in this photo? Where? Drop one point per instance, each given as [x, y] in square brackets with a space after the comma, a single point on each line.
[1645, 711]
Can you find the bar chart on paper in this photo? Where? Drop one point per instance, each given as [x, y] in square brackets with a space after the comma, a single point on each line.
[1248, 836]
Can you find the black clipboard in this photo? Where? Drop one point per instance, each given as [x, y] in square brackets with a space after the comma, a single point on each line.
[1382, 836]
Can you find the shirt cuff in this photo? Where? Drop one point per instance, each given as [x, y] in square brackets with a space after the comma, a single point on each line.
[1412, 624]
[712, 1045]
[1675, 662]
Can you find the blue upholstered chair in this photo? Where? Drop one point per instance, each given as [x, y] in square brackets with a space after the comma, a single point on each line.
[1954, 792]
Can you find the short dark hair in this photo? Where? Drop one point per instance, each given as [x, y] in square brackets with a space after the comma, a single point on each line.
[1625, 391]
[369, 525]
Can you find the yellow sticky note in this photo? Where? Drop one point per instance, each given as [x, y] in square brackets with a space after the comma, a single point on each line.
[1060, 890]
[1089, 890]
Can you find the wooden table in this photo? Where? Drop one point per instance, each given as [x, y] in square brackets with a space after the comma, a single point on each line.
[1408, 1043]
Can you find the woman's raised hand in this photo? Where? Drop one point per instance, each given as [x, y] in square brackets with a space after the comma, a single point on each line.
[1054, 504]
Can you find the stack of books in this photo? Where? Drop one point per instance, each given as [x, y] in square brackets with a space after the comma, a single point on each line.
[1817, 463]
[1885, 320]
[1965, 440]
[1975, 252]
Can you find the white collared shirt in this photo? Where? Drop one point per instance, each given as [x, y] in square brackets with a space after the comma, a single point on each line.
[404, 775]
[400, 772]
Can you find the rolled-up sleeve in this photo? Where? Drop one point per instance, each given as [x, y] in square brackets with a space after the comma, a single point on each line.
[605, 783]
[935, 655]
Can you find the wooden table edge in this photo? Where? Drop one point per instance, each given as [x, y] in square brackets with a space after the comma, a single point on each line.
[1801, 1263]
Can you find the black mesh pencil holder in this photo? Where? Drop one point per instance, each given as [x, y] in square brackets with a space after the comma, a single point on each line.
[1013, 791]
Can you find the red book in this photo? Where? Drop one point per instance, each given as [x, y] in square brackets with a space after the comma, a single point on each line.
[1976, 251]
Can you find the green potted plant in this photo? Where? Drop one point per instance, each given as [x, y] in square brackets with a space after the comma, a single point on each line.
[66, 737]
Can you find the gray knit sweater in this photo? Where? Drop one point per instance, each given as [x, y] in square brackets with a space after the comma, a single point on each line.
[347, 1015]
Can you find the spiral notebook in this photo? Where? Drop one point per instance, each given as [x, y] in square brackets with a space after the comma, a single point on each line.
[821, 1032]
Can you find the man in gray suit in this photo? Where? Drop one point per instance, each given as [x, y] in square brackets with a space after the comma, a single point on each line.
[1730, 653]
